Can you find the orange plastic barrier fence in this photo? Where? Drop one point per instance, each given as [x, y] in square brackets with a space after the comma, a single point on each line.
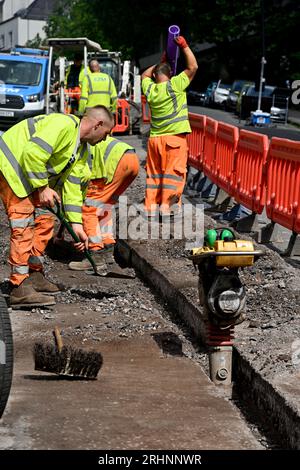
[211, 127]
[283, 183]
[72, 94]
[122, 116]
[249, 181]
[222, 172]
[196, 140]
[145, 110]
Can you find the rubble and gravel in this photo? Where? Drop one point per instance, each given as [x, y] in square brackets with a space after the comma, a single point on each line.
[272, 317]
[123, 310]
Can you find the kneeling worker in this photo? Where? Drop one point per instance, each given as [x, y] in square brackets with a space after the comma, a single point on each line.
[40, 157]
[115, 166]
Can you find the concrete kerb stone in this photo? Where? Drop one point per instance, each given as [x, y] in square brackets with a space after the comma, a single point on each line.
[273, 407]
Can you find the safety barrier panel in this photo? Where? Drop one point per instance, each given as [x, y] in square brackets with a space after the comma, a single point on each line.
[249, 181]
[223, 165]
[283, 183]
[146, 114]
[122, 116]
[196, 140]
[211, 127]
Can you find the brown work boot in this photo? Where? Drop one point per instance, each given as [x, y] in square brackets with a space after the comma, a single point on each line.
[26, 296]
[41, 284]
[85, 265]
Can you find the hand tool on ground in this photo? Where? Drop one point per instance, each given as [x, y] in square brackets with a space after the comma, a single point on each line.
[66, 360]
[111, 271]
[60, 216]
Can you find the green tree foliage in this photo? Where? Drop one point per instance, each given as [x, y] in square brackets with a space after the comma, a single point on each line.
[138, 29]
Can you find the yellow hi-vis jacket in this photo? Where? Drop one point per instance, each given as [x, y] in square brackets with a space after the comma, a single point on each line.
[168, 105]
[106, 157]
[98, 88]
[44, 151]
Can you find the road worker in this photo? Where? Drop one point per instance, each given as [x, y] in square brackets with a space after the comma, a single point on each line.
[42, 158]
[75, 72]
[73, 82]
[167, 145]
[97, 88]
[115, 166]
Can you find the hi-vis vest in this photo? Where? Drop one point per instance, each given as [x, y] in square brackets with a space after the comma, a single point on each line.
[98, 88]
[106, 156]
[168, 105]
[40, 151]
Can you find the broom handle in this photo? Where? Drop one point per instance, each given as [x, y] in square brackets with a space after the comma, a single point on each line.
[58, 339]
[60, 216]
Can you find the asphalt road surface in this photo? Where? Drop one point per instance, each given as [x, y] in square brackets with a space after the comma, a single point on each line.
[287, 131]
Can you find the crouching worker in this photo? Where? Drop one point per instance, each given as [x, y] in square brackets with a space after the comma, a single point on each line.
[40, 158]
[115, 166]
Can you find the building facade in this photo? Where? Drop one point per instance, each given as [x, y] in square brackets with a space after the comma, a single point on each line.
[22, 20]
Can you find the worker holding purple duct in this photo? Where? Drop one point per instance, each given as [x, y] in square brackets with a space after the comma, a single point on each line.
[167, 145]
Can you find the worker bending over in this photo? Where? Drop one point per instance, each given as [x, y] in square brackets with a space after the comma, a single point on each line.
[115, 166]
[97, 88]
[39, 158]
[167, 145]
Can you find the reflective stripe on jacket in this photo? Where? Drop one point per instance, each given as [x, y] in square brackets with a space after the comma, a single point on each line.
[168, 105]
[98, 88]
[106, 156]
[40, 151]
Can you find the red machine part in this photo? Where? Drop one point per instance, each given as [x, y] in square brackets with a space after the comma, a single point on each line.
[219, 337]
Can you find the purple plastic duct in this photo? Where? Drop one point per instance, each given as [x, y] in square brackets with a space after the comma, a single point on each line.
[172, 48]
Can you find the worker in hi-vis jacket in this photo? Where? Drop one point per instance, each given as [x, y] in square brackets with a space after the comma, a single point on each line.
[42, 161]
[167, 146]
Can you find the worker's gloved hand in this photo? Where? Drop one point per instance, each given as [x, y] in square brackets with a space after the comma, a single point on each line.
[164, 57]
[48, 197]
[181, 42]
[84, 243]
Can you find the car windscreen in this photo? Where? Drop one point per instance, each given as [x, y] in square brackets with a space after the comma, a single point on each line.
[237, 86]
[268, 91]
[14, 72]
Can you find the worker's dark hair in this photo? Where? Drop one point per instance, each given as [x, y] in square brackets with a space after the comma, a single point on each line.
[162, 69]
[103, 110]
[78, 56]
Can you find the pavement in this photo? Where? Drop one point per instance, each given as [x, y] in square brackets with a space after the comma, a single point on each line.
[151, 392]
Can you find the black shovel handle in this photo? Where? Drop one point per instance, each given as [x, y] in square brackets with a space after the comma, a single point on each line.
[59, 214]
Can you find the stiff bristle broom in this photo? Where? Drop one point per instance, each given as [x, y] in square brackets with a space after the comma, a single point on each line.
[66, 360]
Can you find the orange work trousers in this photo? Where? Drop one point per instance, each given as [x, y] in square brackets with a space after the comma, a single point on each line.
[166, 173]
[97, 209]
[31, 228]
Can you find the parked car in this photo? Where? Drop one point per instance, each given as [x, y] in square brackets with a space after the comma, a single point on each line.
[272, 96]
[209, 93]
[220, 94]
[239, 99]
[232, 99]
[196, 98]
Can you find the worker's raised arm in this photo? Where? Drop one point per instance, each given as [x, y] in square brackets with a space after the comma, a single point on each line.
[190, 59]
[148, 72]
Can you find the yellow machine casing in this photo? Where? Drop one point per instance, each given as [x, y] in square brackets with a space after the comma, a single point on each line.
[234, 261]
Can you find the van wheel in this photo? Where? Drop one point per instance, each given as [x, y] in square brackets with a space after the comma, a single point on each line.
[6, 355]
